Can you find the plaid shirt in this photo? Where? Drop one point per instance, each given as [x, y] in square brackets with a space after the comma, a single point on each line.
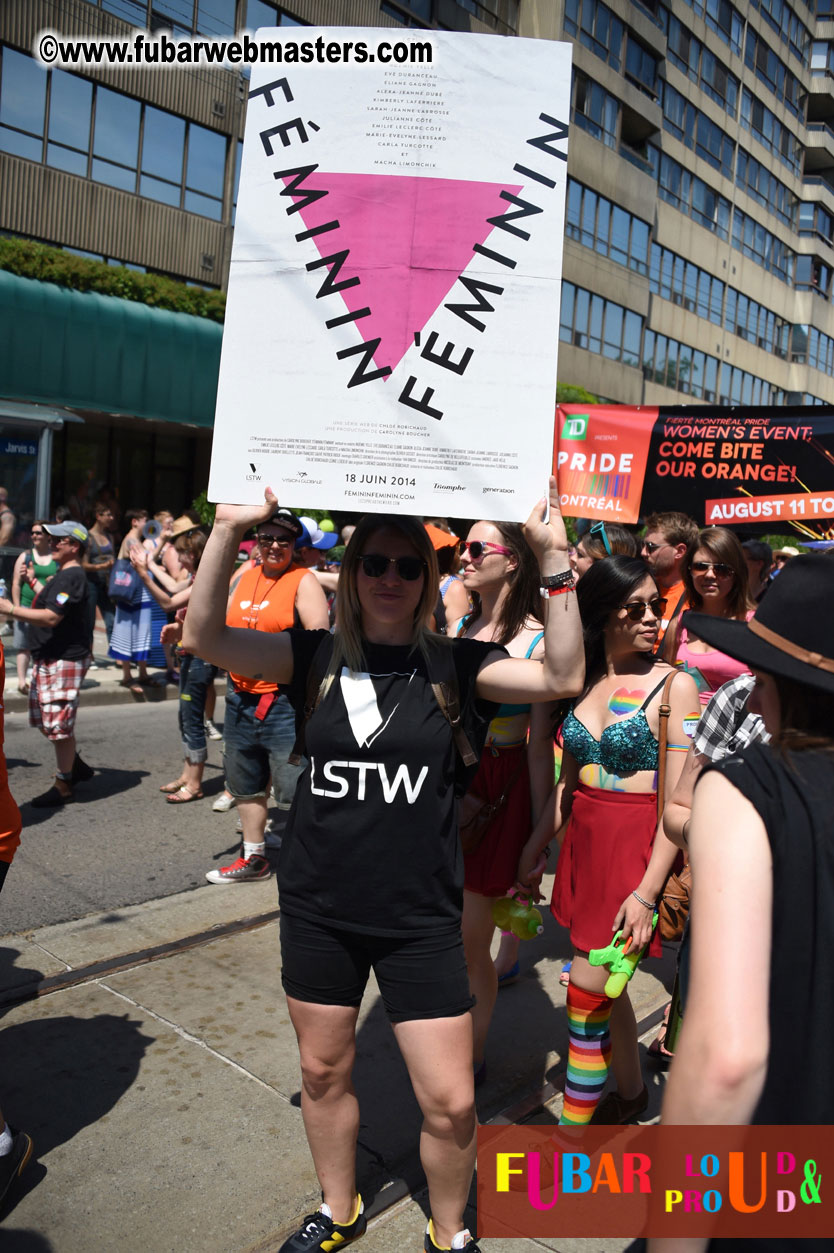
[726, 727]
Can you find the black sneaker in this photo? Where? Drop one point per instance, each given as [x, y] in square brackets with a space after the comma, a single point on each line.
[81, 772]
[462, 1243]
[14, 1163]
[318, 1231]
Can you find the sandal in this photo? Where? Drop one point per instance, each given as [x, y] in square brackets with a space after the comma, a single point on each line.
[184, 795]
[51, 799]
[172, 787]
[614, 1110]
[509, 976]
[658, 1051]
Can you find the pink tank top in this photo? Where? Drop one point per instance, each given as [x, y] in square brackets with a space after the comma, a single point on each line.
[709, 670]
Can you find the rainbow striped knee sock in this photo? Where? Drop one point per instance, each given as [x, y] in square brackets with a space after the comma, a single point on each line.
[589, 1053]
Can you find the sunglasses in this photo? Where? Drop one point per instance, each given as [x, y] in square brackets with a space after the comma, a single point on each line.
[636, 609]
[374, 565]
[650, 547]
[599, 529]
[37, 534]
[478, 549]
[267, 541]
[722, 570]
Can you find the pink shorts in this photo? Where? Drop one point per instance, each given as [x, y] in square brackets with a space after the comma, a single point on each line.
[53, 696]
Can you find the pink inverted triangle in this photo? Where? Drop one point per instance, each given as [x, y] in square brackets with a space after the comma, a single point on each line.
[409, 240]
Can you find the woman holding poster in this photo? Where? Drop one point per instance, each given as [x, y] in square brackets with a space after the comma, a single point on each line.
[371, 871]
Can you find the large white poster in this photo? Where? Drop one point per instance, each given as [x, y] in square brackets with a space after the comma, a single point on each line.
[393, 310]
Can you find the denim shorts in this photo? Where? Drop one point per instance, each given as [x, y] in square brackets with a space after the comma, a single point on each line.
[256, 750]
[196, 676]
[422, 976]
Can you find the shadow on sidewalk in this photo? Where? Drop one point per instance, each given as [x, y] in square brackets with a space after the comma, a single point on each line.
[105, 782]
[57, 1076]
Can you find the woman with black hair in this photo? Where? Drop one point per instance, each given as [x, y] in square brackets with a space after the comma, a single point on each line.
[515, 777]
[371, 871]
[614, 857]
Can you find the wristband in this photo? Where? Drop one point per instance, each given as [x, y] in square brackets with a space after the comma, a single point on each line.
[547, 592]
[645, 904]
[563, 579]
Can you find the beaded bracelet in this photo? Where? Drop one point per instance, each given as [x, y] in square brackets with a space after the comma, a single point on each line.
[645, 904]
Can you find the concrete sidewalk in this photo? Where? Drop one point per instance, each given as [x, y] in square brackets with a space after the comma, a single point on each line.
[103, 682]
[162, 1089]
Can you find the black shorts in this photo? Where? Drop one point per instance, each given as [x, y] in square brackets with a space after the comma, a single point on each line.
[418, 977]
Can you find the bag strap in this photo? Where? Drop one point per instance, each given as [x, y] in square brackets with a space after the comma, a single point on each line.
[443, 678]
[315, 675]
[664, 711]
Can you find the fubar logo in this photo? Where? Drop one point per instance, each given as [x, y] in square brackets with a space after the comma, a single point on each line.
[576, 426]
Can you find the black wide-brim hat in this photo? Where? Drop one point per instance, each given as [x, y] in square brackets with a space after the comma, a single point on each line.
[792, 631]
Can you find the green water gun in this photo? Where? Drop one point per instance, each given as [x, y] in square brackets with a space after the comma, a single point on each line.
[620, 960]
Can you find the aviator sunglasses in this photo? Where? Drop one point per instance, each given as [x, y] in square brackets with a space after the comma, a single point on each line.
[375, 565]
[722, 570]
[478, 549]
[636, 609]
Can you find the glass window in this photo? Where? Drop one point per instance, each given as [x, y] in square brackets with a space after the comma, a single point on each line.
[159, 189]
[595, 324]
[648, 354]
[613, 330]
[660, 359]
[22, 105]
[620, 221]
[206, 161]
[573, 209]
[604, 225]
[710, 376]
[207, 206]
[583, 300]
[671, 379]
[589, 206]
[566, 314]
[631, 338]
[696, 377]
[116, 134]
[716, 301]
[639, 244]
[70, 107]
[216, 17]
[163, 140]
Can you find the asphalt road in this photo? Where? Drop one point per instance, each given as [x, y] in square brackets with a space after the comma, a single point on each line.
[118, 843]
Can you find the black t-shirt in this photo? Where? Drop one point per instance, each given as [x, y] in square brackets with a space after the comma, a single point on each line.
[372, 838]
[791, 792]
[66, 593]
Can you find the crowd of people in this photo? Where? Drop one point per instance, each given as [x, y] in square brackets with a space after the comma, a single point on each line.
[434, 715]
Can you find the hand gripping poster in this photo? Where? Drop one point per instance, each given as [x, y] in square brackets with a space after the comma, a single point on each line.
[393, 309]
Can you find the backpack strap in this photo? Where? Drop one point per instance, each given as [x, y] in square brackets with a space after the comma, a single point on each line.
[315, 675]
[664, 711]
[444, 683]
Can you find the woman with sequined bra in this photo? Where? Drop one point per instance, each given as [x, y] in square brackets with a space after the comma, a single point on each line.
[614, 859]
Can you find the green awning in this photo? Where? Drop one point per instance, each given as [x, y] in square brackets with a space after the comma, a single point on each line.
[88, 351]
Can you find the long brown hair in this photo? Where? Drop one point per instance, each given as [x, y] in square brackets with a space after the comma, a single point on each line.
[348, 644]
[722, 545]
[523, 600]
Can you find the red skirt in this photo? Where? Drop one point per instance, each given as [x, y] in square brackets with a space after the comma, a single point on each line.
[606, 850]
[490, 870]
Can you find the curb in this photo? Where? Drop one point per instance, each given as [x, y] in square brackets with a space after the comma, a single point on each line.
[100, 693]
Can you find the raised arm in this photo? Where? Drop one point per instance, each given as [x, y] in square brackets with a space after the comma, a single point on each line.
[253, 653]
[168, 602]
[562, 672]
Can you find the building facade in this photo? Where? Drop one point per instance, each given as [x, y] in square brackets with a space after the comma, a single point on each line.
[699, 250]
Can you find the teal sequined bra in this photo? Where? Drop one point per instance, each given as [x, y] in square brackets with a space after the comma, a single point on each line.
[623, 748]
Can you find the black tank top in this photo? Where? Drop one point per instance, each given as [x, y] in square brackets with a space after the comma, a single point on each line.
[792, 794]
